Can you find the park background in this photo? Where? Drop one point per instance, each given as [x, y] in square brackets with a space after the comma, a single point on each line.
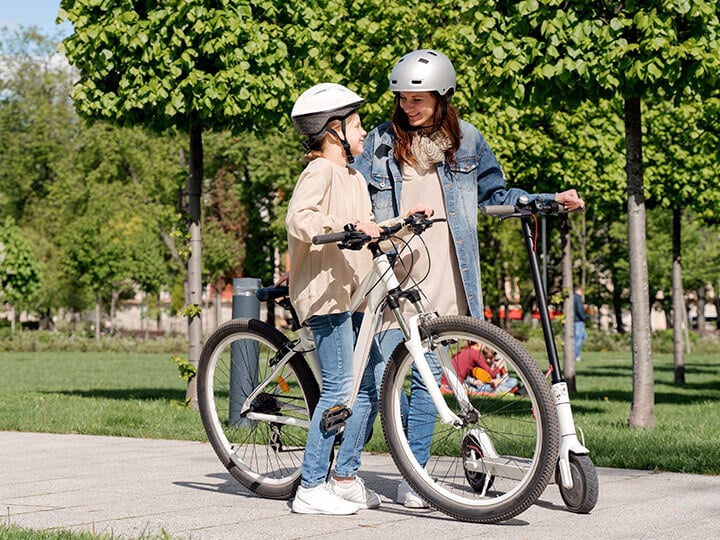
[97, 187]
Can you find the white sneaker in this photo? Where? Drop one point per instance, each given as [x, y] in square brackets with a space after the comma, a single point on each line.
[321, 500]
[408, 498]
[356, 492]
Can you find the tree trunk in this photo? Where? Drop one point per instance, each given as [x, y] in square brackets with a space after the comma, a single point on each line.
[97, 316]
[569, 308]
[678, 298]
[642, 412]
[194, 294]
[701, 300]
[113, 309]
[219, 288]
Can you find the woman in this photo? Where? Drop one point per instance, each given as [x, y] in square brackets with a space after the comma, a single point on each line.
[426, 152]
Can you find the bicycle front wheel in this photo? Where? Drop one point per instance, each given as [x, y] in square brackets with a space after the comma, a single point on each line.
[256, 399]
[497, 460]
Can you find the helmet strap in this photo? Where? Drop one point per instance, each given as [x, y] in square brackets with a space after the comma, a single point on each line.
[343, 140]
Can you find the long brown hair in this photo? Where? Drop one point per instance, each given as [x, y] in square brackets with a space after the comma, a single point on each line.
[445, 120]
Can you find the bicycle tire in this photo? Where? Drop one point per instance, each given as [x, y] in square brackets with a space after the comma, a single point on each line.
[264, 456]
[497, 464]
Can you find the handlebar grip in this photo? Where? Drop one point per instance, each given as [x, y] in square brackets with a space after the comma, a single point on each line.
[331, 238]
[498, 210]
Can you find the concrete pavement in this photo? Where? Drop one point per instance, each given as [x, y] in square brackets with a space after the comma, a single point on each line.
[146, 488]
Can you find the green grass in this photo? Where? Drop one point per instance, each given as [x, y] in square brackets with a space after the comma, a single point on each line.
[123, 394]
[686, 436]
[141, 395]
[21, 533]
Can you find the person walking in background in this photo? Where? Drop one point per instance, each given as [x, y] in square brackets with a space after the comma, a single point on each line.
[580, 333]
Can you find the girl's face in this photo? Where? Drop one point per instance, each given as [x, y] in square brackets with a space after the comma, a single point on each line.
[419, 108]
[355, 134]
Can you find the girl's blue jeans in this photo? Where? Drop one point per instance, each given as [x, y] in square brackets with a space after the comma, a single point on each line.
[334, 337]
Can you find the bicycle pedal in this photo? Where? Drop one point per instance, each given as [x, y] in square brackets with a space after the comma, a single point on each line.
[333, 419]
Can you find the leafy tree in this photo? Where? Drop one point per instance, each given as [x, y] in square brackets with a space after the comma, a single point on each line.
[683, 170]
[37, 120]
[193, 65]
[97, 246]
[550, 51]
[119, 176]
[19, 270]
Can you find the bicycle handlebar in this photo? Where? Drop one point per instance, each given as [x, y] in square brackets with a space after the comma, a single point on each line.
[353, 239]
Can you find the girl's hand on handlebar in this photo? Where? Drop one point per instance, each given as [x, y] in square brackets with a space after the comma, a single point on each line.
[371, 229]
[570, 200]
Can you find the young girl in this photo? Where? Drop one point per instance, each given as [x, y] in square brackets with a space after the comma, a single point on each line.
[328, 195]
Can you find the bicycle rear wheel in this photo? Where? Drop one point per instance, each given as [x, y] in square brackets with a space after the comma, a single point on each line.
[261, 441]
[500, 459]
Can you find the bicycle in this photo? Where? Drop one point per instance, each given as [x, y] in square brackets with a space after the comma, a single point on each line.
[492, 454]
[575, 475]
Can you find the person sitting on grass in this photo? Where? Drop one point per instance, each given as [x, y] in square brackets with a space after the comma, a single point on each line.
[481, 371]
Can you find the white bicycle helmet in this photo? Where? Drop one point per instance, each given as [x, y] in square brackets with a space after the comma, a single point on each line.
[322, 103]
[424, 70]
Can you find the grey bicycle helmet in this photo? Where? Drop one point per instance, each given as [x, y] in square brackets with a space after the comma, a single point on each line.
[322, 103]
[424, 70]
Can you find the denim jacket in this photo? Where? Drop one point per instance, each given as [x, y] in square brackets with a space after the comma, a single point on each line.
[473, 181]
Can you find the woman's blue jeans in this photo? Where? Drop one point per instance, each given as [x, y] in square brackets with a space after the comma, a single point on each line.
[334, 337]
[419, 413]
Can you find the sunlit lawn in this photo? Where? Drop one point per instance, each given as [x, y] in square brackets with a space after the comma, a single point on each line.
[141, 395]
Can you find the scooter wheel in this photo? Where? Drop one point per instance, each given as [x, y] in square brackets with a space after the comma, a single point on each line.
[583, 496]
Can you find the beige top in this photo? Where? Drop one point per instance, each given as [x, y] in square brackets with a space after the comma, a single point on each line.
[322, 278]
[439, 272]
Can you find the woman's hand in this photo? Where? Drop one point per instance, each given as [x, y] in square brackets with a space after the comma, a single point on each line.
[420, 209]
[570, 200]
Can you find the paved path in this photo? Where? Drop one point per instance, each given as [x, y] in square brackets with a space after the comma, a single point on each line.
[137, 487]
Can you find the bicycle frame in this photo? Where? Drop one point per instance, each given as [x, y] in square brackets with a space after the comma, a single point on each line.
[374, 290]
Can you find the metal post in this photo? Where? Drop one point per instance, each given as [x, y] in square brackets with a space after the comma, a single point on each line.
[244, 353]
[543, 231]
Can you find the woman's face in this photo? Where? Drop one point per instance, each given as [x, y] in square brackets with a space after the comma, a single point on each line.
[419, 108]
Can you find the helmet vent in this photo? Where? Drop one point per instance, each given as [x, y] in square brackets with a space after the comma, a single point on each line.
[423, 60]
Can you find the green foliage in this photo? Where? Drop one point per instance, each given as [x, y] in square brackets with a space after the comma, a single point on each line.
[191, 310]
[47, 341]
[19, 270]
[37, 122]
[186, 369]
[157, 63]
[548, 50]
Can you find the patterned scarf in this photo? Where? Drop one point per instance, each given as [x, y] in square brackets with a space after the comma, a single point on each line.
[429, 149]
